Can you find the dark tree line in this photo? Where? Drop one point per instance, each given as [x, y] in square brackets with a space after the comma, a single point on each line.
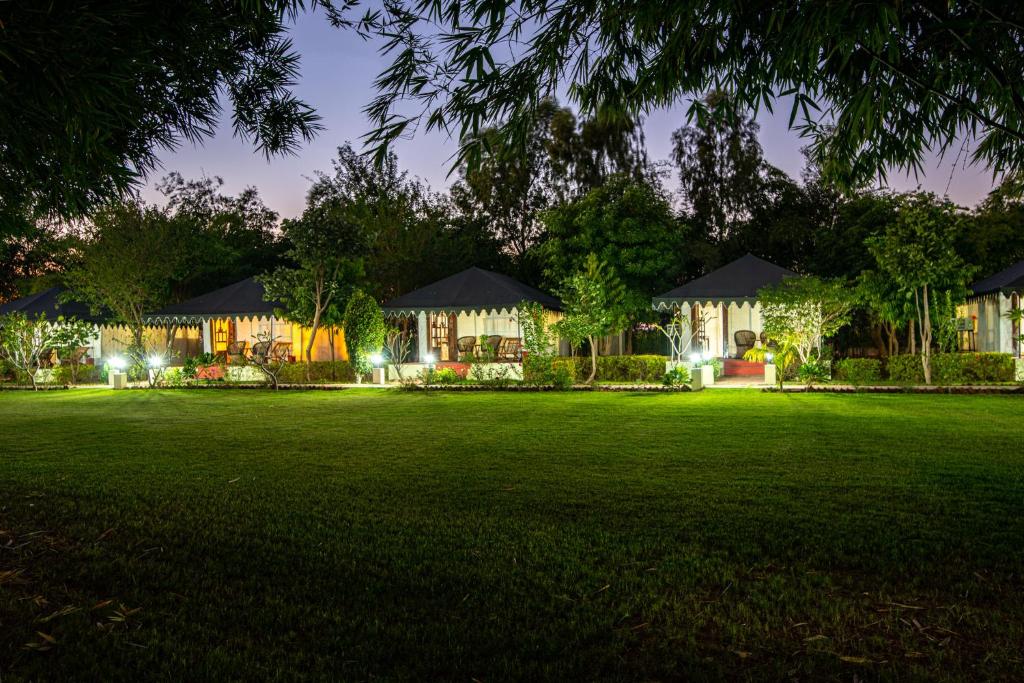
[587, 186]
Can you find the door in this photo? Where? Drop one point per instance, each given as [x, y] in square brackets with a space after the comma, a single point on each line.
[223, 331]
[443, 334]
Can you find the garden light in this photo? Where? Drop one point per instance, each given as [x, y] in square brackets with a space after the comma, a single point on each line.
[156, 361]
[694, 358]
[429, 359]
[769, 357]
[706, 355]
[376, 359]
[117, 363]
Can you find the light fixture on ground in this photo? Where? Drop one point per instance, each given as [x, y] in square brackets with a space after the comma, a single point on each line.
[379, 372]
[116, 376]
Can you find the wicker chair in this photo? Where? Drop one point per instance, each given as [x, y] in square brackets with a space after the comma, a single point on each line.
[46, 358]
[765, 343]
[466, 346]
[261, 352]
[494, 341]
[281, 351]
[511, 349]
[236, 352]
[745, 340]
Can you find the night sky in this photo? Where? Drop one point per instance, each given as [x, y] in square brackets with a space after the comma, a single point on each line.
[337, 75]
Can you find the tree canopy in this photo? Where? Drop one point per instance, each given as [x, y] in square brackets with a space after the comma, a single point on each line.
[874, 85]
[626, 224]
[90, 92]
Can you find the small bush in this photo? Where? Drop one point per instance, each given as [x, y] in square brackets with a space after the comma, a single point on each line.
[440, 376]
[563, 373]
[540, 371]
[858, 370]
[677, 376]
[813, 371]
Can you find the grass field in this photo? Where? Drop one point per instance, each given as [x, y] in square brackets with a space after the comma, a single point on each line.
[384, 535]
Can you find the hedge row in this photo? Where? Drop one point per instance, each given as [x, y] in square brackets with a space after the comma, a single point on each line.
[319, 372]
[947, 368]
[614, 368]
[857, 370]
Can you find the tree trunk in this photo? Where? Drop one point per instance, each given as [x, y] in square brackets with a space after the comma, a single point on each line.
[876, 337]
[911, 338]
[593, 360]
[894, 339]
[926, 339]
[330, 342]
[312, 338]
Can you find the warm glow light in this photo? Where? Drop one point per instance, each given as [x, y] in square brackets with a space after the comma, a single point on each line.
[376, 359]
[694, 358]
[429, 358]
[156, 361]
[117, 363]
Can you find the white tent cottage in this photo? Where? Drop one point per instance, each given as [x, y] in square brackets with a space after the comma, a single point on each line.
[986, 314]
[54, 303]
[448, 317]
[722, 305]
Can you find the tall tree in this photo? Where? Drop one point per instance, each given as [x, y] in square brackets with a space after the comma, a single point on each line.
[89, 93]
[583, 154]
[233, 237]
[327, 250]
[628, 225]
[128, 258]
[594, 299]
[415, 236]
[917, 252]
[510, 185]
[722, 172]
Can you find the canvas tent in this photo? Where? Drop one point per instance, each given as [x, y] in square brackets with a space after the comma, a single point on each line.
[471, 303]
[723, 301]
[54, 303]
[985, 316]
[238, 313]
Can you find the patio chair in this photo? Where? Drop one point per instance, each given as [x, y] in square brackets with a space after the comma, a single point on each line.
[466, 346]
[46, 358]
[75, 357]
[511, 349]
[494, 341]
[745, 340]
[281, 351]
[261, 352]
[236, 352]
[765, 343]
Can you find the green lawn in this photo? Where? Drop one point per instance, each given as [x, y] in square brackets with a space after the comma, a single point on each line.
[190, 535]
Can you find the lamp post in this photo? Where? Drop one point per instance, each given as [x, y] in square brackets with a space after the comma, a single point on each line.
[770, 370]
[117, 377]
[379, 372]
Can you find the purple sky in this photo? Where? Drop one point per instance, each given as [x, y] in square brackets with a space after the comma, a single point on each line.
[337, 79]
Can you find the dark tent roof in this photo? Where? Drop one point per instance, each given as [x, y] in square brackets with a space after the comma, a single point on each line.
[49, 303]
[474, 289]
[736, 281]
[1010, 278]
[242, 299]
